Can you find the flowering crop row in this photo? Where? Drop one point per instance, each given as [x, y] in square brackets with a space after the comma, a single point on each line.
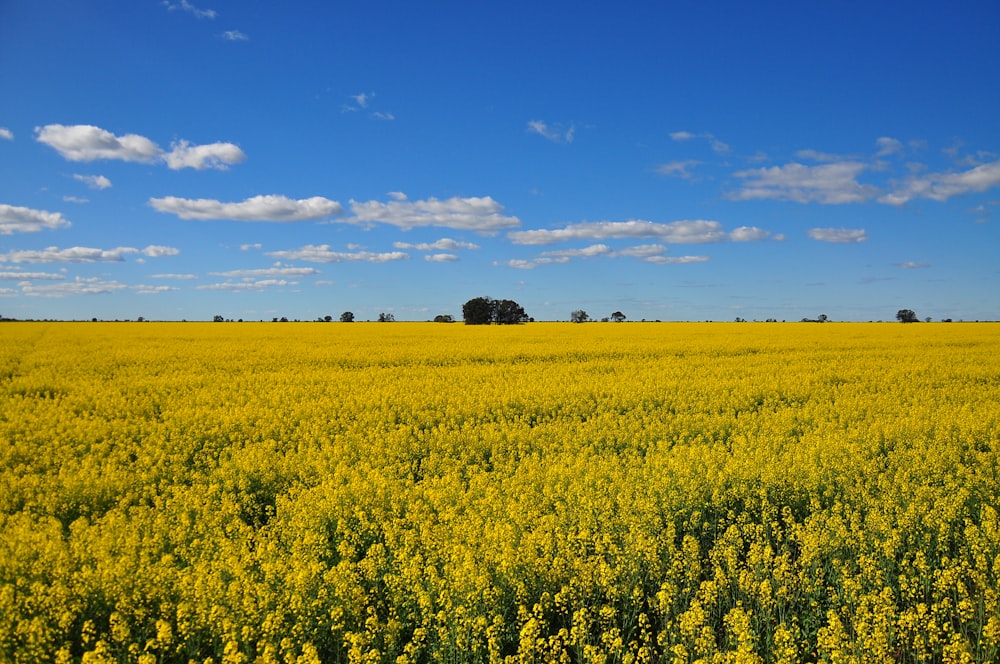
[548, 492]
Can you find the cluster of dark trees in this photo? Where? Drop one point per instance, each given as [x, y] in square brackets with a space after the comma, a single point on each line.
[581, 316]
[486, 311]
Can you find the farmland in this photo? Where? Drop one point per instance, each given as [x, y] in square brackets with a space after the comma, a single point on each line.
[411, 492]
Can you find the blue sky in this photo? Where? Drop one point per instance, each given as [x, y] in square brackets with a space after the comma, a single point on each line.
[180, 159]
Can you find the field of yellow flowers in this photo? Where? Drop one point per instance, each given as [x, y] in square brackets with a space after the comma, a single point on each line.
[226, 492]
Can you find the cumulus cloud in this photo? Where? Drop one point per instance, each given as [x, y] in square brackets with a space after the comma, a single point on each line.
[80, 286]
[444, 244]
[748, 234]
[28, 276]
[234, 35]
[475, 213]
[675, 232]
[257, 208]
[677, 260]
[840, 235]
[82, 254]
[199, 157]
[6, 134]
[828, 183]
[275, 271]
[183, 277]
[583, 252]
[159, 251]
[14, 219]
[323, 254]
[250, 285]
[441, 258]
[556, 133]
[912, 265]
[89, 143]
[94, 181]
[942, 186]
[143, 289]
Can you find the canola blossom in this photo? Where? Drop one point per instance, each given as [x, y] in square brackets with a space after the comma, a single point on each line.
[417, 492]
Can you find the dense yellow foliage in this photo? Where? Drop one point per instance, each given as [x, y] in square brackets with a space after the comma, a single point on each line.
[549, 492]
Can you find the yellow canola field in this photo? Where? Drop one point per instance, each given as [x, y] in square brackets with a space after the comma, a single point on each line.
[225, 492]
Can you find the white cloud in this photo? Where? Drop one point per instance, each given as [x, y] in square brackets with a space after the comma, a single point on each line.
[22, 276]
[184, 5]
[80, 286]
[322, 254]
[748, 234]
[76, 199]
[840, 235]
[912, 265]
[584, 252]
[441, 258]
[887, 146]
[556, 134]
[275, 271]
[677, 260]
[379, 115]
[678, 169]
[444, 244]
[816, 155]
[14, 219]
[257, 208]
[6, 134]
[942, 186]
[829, 183]
[243, 286]
[143, 289]
[248, 247]
[717, 146]
[642, 250]
[183, 277]
[90, 143]
[234, 35]
[199, 157]
[94, 181]
[68, 255]
[677, 232]
[159, 251]
[362, 99]
[474, 213]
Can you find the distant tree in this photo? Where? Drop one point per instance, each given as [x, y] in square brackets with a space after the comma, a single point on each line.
[141, 319]
[579, 316]
[218, 319]
[479, 311]
[327, 318]
[822, 318]
[347, 317]
[928, 319]
[618, 317]
[283, 320]
[444, 318]
[906, 316]
[510, 312]
[486, 310]
[386, 318]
